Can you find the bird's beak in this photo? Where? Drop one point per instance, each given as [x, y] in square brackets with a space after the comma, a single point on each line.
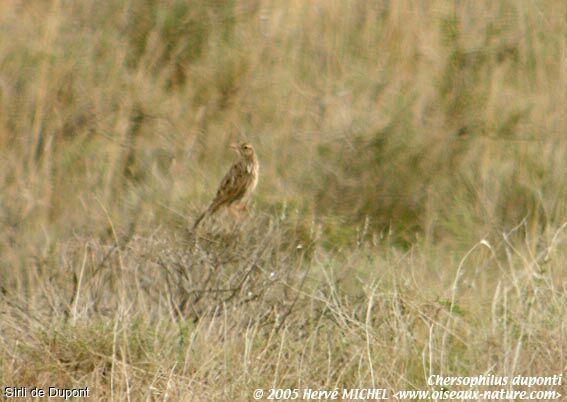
[234, 146]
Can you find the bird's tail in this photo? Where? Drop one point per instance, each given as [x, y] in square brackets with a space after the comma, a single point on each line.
[211, 210]
[199, 219]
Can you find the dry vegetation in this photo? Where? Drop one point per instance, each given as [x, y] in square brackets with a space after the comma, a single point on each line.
[411, 217]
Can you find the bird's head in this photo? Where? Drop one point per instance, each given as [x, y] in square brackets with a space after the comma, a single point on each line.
[244, 149]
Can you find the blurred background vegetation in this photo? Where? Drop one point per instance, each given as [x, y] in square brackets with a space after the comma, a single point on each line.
[445, 120]
[405, 124]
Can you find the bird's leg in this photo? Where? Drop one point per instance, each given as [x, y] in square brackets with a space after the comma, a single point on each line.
[234, 211]
[243, 210]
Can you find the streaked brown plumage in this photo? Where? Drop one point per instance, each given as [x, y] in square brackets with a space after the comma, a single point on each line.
[237, 184]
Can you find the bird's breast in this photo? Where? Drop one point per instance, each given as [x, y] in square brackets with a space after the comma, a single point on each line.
[252, 170]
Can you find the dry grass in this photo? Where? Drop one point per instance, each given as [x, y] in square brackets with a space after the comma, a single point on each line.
[410, 219]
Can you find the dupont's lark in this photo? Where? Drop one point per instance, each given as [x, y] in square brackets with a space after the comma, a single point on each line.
[237, 184]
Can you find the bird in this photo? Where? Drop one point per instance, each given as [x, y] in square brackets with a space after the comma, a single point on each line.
[238, 183]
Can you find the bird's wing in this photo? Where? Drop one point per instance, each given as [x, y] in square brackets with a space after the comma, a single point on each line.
[232, 187]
